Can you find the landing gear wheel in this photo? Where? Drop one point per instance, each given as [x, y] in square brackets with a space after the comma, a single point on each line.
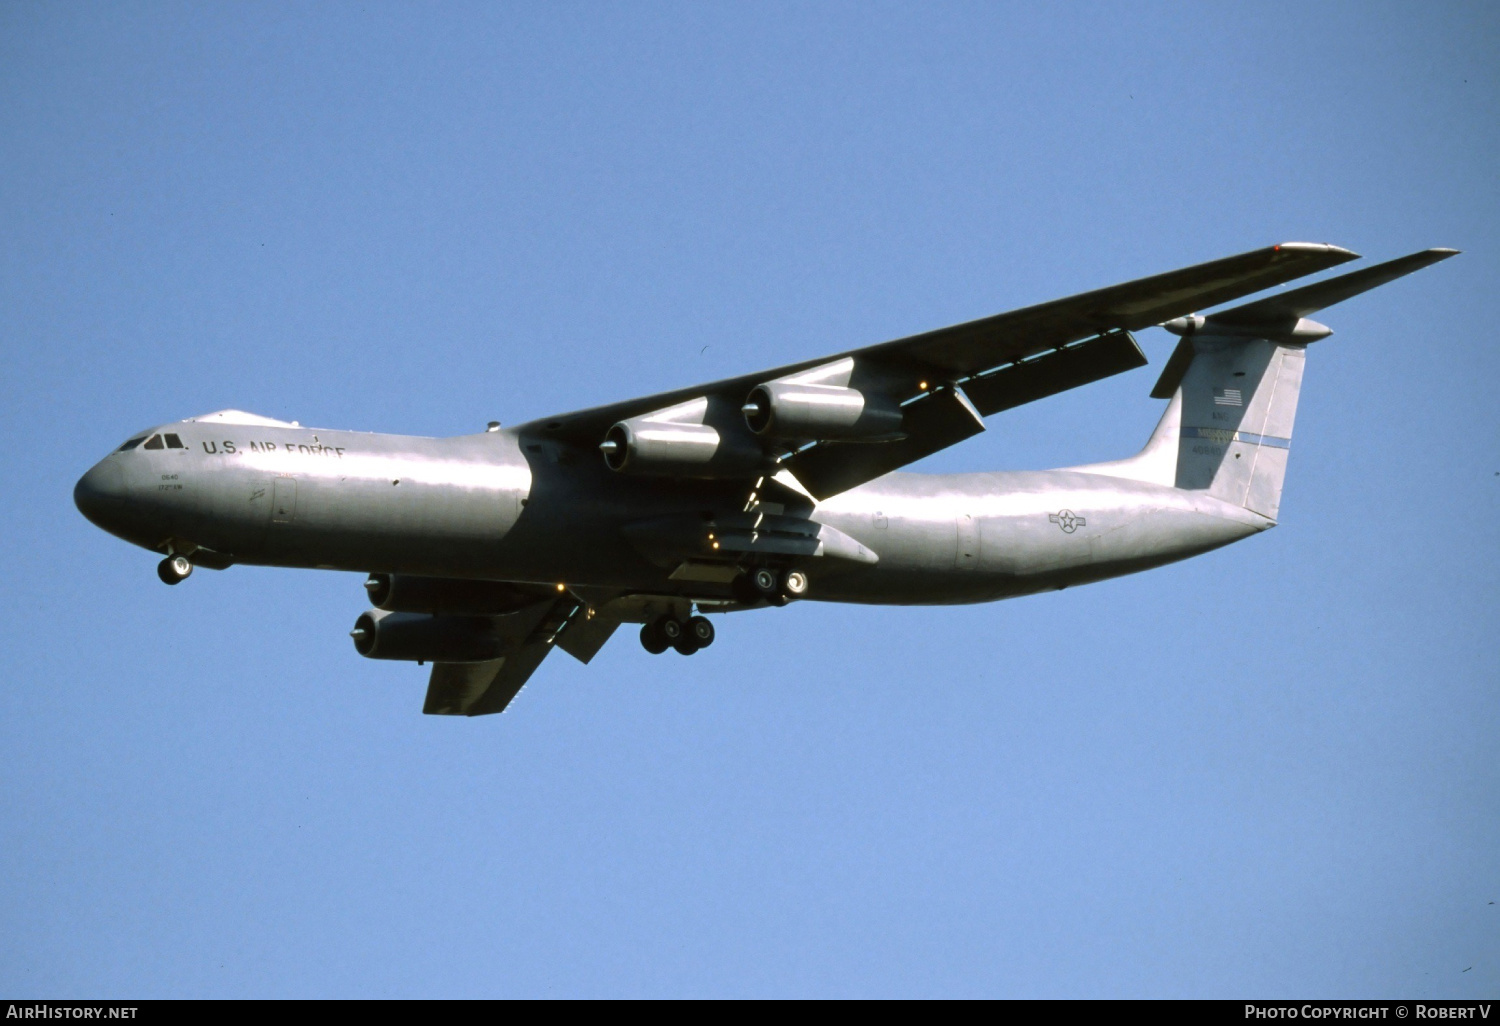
[671, 631]
[744, 591]
[701, 631]
[765, 582]
[680, 635]
[794, 584]
[174, 569]
[651, 639]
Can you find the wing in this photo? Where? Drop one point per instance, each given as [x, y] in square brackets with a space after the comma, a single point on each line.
[477, 689]
[969, 371]
[472, 689]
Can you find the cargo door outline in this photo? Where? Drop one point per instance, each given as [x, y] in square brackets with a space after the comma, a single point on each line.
[283, 500]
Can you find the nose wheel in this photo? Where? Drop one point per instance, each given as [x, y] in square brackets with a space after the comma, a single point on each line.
[686, 636]
[174, 569]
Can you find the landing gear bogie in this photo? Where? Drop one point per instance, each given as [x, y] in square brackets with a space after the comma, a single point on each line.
[686, 636]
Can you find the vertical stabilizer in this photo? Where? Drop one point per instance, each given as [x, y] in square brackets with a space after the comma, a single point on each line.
[1228, 427]
[1239, 402]
[1234, 381]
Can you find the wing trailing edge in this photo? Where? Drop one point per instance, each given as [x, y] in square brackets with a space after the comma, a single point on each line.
[977, 349]
[479, 689]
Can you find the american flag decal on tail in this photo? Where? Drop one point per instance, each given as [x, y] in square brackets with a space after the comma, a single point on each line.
[1228, 397]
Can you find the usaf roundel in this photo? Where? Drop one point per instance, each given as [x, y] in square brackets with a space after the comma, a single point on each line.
[1067, 520]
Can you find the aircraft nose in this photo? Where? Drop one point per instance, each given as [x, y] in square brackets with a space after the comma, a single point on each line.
[100, 494]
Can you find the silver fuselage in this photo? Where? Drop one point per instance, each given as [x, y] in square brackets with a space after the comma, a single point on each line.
[502, 506]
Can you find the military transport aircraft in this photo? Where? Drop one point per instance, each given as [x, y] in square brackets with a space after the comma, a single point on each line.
[485, 551]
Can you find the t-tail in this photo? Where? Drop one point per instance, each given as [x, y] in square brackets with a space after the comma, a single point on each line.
[1234, 381]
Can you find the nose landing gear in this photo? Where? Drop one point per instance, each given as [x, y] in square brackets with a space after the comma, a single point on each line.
[686, 636]
[174, 569]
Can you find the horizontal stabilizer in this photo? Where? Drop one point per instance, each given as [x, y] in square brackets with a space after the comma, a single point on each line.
[1281, 317]
[1289, 306]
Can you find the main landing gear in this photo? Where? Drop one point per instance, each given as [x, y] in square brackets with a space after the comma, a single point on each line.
[174, 569]
[760, 586]
[686, 636]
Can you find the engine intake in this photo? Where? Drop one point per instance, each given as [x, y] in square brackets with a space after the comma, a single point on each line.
[439, 639]
[405, 593]
[779, 409]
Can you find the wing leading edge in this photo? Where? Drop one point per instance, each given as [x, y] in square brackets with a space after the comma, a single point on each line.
[946, 381]
[975, 348]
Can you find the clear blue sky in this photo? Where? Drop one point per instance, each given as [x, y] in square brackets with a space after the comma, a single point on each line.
[1269, 771]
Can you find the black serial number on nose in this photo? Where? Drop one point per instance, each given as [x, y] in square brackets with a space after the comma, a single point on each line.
[230, 448]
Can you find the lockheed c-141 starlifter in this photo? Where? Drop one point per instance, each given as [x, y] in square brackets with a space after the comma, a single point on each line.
[486, 551]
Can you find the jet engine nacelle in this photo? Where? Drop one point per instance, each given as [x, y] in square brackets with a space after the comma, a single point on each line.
[679, 441]
[418, 636]
[406, 593]
[780, 409]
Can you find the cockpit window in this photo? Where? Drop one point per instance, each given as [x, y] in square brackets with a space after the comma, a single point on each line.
[173, 442]
[131, 444]
[154, 443]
